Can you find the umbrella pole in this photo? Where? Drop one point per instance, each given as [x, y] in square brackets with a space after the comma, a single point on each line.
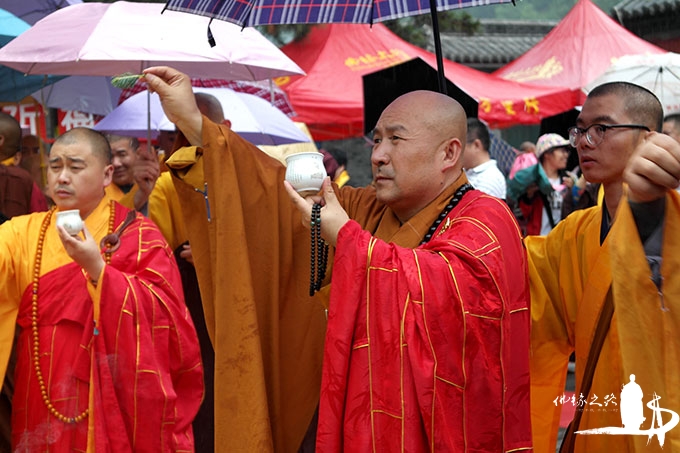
[437, 46]
[148, 118]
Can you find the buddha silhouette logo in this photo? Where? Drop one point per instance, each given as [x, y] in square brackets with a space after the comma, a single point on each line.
[632, 415]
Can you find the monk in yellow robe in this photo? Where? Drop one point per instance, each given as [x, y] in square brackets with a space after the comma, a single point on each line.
[609, 251]
[252, 256]
[108, 358]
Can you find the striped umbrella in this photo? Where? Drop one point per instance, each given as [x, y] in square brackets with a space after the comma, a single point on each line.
[252, 13]
[265, 89]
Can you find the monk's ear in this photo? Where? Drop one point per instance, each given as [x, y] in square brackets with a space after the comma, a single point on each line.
[453, 151]
[108, 175]
[227, 123]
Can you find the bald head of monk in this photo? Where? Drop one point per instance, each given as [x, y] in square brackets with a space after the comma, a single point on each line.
[417, 147]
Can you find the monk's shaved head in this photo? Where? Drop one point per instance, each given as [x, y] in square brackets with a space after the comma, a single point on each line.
[417, 149]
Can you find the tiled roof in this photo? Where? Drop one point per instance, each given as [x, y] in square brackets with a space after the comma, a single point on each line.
[486, 53]
[497, 44]
[630, 9]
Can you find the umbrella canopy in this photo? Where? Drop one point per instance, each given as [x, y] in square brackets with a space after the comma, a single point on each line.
[330, 98]
[266, 89]
[14, 86]
[659, 73]
[88, 94]
[266, 12]
[112, 38]
[32, 11]
[96, 95]
[579, 48]
[251, 117]
[10, 26]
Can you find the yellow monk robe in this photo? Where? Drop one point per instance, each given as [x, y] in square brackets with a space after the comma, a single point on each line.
[113, 192]
[164, 209]
[570, 275]
[137, 298]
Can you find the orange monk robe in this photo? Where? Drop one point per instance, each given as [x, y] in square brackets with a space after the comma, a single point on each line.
[427, 346]
[164, 209]
[253, 222]
[267, 332]
[570, 275]
[147, 383]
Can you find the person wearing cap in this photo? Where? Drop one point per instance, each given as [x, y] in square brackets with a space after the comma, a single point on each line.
[539, 190]
[526, 157]
[605, 283]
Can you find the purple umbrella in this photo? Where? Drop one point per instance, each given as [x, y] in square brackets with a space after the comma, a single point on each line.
[33, 10]
[266, 12]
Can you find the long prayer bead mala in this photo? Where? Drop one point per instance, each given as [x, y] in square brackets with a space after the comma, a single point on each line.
[34, 320]
[462, 190]
[319, 252]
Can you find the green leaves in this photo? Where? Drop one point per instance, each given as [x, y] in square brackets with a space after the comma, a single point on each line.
[125, 80]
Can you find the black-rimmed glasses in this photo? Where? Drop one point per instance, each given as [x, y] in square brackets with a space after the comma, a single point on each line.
[594, 133]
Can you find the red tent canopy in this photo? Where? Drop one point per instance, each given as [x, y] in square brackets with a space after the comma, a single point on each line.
[329, 99]
[580, 48]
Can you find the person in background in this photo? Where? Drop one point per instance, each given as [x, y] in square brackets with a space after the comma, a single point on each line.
[417, 231]
[525, 158]
[604, 282]
[671, 125]
[19, 194]
[34, 159]
[107, 355]
[341, 176]
[124, 151]
[539, 190]
[481, 170]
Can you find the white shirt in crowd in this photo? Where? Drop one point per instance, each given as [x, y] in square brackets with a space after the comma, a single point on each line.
[488, 178]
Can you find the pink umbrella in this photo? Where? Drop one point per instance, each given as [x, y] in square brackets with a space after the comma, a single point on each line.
[112, 38]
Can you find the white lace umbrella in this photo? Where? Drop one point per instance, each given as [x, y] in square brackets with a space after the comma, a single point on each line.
[658, 73]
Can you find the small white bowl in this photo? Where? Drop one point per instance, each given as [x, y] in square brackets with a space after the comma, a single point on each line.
[71, 221]
[305, 171]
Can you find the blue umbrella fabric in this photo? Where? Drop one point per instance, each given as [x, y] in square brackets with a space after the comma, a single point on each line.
[14, 86]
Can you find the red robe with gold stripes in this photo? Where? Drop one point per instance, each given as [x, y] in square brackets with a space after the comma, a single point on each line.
[138, 372]
[427, 346]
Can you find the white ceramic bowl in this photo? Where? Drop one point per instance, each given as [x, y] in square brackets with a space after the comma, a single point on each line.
[305, 171]
[71, 221]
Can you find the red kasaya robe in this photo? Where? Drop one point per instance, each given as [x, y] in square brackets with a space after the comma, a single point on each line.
[125, 349]
[427, 347]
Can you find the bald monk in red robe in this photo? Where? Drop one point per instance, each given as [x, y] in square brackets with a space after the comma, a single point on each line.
[107, 356]
[427, 345]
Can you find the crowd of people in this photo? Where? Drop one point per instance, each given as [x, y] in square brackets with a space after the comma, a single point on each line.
[180, 318]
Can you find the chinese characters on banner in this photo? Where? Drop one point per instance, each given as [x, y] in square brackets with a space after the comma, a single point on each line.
[31, 118]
